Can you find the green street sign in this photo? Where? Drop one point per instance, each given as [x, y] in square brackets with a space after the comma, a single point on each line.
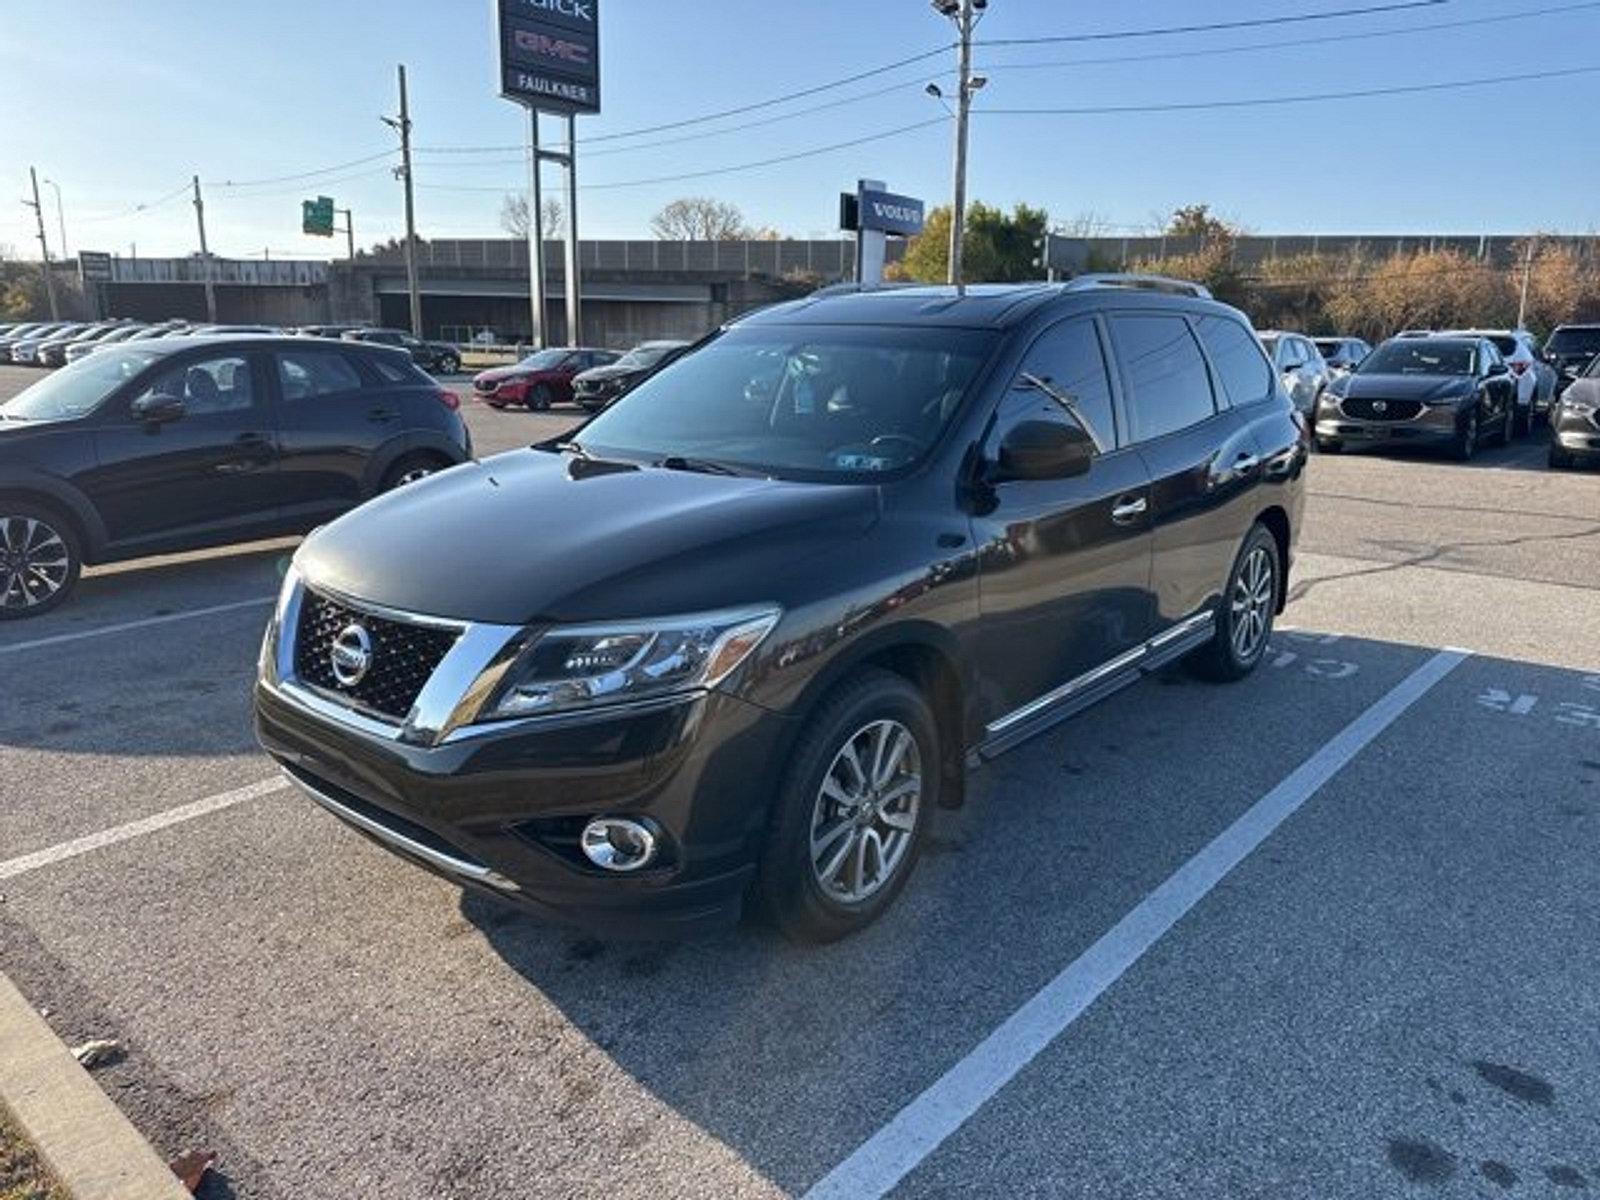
[316, 216]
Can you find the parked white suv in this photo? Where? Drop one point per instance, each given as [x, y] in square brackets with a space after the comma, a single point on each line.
[1300, 365]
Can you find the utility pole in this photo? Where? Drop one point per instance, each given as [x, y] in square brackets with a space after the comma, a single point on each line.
[962, 12]
[535, 231]
[205, 254]
[1527, 270]
[402, 125]
[574, 320]
[61, 216]
[44, 246]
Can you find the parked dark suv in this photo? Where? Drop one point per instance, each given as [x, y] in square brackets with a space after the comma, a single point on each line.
[150, 447]
[751, 625]
[442, 358]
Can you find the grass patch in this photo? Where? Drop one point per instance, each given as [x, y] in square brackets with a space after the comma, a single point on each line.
[22, 1175]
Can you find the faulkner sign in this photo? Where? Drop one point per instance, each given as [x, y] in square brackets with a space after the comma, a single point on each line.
[550, 54]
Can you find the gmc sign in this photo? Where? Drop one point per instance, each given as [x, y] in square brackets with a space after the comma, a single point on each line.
[549, 54]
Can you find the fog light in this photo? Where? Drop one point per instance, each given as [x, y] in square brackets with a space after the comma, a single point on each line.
[618, 843]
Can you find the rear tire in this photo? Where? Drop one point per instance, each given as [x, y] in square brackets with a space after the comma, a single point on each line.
[819, 847]
[1508, 427]
[411, 468]
[41, 558]
[539, 398]
[449, 366]
[1244, 619]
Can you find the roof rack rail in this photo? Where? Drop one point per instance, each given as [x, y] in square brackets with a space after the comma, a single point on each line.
[849, 288]
[1150, 283]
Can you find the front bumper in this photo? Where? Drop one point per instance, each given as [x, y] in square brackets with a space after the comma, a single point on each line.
[1576, 434]
[498, 807]
[1434, 425]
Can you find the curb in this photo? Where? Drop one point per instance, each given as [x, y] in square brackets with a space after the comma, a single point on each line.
[91, 1148]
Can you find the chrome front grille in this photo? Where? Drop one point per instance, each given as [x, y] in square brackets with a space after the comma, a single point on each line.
[403, 656]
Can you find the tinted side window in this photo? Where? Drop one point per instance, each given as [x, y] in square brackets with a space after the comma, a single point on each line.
[303, 374]
[391, 372]
[1170, 388]
[1242, 370]
[211, 385]
[1068, 357]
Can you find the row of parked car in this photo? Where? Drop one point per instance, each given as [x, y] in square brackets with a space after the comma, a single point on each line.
[1416, 393]
[586, 376]
[56, 343]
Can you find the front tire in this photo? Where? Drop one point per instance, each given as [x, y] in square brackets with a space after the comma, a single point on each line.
[539, 399]
[1467, 438]
[849, 820]
[41, 559]
[411, 469]
[1249, 606]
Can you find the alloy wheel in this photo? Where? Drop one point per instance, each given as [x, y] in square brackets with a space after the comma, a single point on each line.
[866, 812]
[1251, 603]
[411, 476]
[35, 563]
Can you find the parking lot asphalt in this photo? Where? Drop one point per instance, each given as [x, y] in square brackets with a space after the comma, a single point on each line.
[1393, 992]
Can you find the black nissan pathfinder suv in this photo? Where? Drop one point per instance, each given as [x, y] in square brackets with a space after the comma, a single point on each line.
[738, 636]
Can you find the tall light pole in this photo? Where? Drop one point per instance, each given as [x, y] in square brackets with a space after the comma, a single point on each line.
[402, 126]
[964, 14]
[44, 246]
[61, 218]
[205, 254]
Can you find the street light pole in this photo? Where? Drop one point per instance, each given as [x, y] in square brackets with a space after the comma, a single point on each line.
[1527, 270]
[958, 215]
[402, 125]
[349, 231]
[205, 254]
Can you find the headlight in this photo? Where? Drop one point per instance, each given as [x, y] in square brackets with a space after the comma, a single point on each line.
[267, 662]
[581, 666]
[1577, 407]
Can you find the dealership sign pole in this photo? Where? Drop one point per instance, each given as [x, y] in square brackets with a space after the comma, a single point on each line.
[548, 60]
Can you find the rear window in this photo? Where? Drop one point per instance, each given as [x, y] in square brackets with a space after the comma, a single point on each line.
[390, 370]
[1167, 377]
[304, 374]
[1574, 341]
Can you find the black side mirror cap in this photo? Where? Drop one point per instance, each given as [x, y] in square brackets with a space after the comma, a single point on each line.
[1043, 450]
[157, 408]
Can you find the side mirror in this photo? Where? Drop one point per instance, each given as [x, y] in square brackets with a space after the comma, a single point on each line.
[1043, 450]
[157, 408]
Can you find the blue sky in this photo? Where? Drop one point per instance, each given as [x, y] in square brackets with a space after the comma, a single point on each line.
[120, 103]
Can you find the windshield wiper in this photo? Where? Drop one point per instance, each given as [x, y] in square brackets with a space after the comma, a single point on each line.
[705, 466]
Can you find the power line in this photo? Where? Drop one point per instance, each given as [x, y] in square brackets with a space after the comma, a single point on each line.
[1264, 101]
[329, 170]
[272, 193]
[745, 166]
[1213, 26]
[1212, 51]
[136, 209]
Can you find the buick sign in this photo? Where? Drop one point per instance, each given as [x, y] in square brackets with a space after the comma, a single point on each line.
[549, 54]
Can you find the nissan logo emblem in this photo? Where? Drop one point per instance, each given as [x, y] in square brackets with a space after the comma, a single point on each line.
[351, 655]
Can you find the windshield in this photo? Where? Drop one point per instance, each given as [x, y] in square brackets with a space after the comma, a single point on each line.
[1327, 347]
[1574, 341]
[644, 356]
[1417, 356]
[818, 402]
[543, 360]
[77, 388]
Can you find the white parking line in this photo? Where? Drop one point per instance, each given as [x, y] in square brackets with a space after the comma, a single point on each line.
[885, 1158]
[11, 868]
[141, 623]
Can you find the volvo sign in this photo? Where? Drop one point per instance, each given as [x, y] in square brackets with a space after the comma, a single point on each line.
[549, 54]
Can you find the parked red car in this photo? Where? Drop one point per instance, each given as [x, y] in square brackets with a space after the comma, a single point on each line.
[540, 380]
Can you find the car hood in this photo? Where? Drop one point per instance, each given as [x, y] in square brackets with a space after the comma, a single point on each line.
[609, 371]
[496, 374]
[1405, 387]
[534, 535]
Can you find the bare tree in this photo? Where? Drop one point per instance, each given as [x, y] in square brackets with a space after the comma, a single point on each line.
[699, 219]
[514, 215]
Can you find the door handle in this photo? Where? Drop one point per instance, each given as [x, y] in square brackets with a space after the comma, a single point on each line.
[381, 414]
[1128, 509]
[1246, 462]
